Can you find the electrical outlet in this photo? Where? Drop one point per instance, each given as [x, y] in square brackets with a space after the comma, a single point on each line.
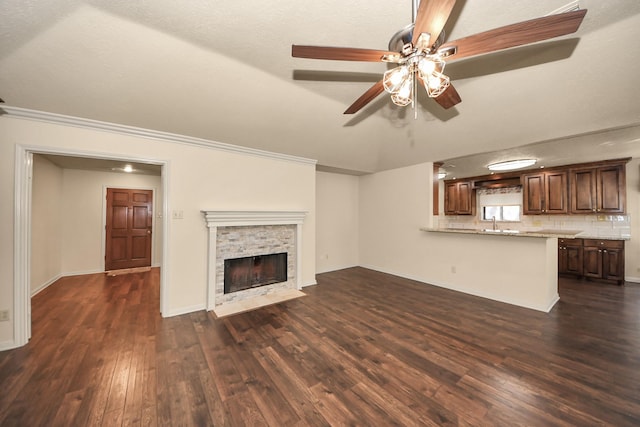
[4, 315]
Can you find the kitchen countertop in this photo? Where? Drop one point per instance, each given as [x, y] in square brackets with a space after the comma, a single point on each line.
[545, 233]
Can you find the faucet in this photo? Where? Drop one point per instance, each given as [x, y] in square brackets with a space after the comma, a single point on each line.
[495, 226]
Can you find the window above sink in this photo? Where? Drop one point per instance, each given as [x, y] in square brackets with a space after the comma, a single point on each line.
[503, 204]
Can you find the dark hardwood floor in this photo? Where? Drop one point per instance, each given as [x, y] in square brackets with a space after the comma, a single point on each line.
[362, 348]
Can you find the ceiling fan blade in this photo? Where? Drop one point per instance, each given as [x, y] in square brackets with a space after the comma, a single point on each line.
[448, 98]
[518, 34]
[366, 98]
[431, 17]
[343, 53]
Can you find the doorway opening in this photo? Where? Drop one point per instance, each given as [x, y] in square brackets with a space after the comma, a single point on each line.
[23, 227]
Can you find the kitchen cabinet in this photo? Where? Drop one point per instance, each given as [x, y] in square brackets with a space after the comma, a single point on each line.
[570, 256]
[599, 190]
[545, 193]
[604, 259]
[458, 198]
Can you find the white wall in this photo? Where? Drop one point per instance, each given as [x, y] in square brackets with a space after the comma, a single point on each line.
[337, 221]
[632, 247]
[393, 206]
[197, 178]
[46, 224]
[83, 220]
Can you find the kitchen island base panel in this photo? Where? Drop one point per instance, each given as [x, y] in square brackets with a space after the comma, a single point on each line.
[519, 271]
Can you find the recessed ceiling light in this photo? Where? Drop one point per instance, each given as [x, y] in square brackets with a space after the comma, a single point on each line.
[511, 164]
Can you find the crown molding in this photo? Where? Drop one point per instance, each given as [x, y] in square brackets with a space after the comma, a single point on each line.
[60, 119]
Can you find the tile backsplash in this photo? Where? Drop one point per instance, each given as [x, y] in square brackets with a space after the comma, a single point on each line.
[596, 226]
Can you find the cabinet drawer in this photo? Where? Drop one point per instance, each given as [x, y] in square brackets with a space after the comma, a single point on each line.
[601, 243]
[570, 242]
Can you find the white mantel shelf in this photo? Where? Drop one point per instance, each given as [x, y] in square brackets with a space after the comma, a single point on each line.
[241, 218]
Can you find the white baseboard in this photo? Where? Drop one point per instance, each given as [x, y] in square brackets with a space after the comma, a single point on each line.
[81, 273]
[632, 279]
[304, 285]
[45, 285]
[184, 310]
[8, 345]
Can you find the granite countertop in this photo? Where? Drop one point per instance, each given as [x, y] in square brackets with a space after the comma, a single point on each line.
[563, 234]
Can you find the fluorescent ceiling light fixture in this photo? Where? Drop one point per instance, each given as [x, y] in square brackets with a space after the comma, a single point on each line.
[441, 175]
[511, 164]
[128, 168]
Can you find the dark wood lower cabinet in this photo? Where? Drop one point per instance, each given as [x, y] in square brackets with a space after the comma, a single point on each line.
[570, 256]
[592, 258]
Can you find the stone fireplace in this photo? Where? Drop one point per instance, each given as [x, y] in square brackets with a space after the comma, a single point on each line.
[257, 253]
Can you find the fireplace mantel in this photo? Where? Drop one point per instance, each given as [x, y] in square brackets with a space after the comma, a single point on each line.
[240, 218]
[216, 219]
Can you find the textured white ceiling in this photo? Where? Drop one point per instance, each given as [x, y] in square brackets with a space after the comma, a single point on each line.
[223, 71]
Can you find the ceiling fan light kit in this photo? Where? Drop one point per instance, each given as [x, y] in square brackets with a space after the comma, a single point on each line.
[400, 81]
[422, 54]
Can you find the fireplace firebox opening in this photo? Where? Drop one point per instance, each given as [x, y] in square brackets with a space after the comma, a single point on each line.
[253, 271]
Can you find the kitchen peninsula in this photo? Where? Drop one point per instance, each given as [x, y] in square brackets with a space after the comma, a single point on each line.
[523, 266]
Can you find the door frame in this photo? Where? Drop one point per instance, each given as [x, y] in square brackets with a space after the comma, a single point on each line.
[104, 219]
[22, 229]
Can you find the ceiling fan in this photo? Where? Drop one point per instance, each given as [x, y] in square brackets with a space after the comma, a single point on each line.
[421, 53]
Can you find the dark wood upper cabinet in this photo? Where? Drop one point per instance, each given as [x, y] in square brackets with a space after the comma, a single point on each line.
[586, 188]
[458, 198]
[598, 189]
[545, 193]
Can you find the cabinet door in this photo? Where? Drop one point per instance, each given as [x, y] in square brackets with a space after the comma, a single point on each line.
[611, 189]
[574, 263]
[450, 198]
[464, 198]
[458, 198]
[555, 193]
[533, 194]
[583, 191]
[592, 261]
[562, 258]
[570, 259]
[613, 264]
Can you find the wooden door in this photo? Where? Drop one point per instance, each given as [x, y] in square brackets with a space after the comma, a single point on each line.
[128, 229]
